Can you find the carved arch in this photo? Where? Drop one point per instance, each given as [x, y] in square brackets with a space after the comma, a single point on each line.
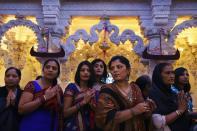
[115, 38]
[69, 46]
[27, 23]
[179, 28]
[132, 37]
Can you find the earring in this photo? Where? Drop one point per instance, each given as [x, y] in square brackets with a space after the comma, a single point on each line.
[128, 77]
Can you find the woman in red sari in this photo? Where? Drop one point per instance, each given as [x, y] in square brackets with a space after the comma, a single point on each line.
[121, 106]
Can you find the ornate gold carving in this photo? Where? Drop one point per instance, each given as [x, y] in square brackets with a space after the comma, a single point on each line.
[87, 52]
[15, 47]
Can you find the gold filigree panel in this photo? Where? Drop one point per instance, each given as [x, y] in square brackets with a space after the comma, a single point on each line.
[87, 52]
[15, 47]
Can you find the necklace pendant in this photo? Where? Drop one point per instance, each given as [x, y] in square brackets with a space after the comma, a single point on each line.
[130, 99]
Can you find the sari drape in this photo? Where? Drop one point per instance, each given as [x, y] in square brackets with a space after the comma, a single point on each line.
[47, 117]
[82, 120]
[111, 101]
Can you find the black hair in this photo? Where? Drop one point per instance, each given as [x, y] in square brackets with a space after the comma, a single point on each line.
[38, 77]
[77, 74]
[178, 72]
[157, 78]
[122, 59]
[18, 72]
[105, 75]
[143, 81]
[58, 73]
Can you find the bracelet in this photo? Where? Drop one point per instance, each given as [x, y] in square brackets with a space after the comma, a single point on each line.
[42, 99]
[45, 98]
[178, 113]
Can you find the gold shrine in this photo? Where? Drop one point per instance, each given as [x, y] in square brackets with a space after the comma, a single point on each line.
[17, 41]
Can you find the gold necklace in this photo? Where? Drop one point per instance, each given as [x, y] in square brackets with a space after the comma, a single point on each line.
[128, 95]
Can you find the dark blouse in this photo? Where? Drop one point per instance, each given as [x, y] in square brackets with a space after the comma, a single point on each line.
[9, 116]
[166, 102]
[49, 113]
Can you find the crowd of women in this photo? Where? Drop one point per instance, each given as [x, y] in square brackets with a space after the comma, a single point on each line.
[89, 104]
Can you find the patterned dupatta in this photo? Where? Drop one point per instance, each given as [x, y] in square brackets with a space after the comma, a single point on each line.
[50, 111]
[82, 119]
[110, 101]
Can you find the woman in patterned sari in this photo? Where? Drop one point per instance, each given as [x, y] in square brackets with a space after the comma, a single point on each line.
[121, 106]
[77, 100]
[41, 101]
[171, 113]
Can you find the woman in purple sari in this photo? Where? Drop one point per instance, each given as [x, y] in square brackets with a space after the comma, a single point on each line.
[41, 101]
[78, 111]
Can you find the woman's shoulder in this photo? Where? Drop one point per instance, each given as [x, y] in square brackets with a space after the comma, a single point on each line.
[155, 93]
[3, 90]
[30, 87]
[32, 82]
[70, 89]
[135, 87]
[71, 86]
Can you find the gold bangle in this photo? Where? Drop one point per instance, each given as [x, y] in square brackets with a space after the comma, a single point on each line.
[45, 98]
[42, 99]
